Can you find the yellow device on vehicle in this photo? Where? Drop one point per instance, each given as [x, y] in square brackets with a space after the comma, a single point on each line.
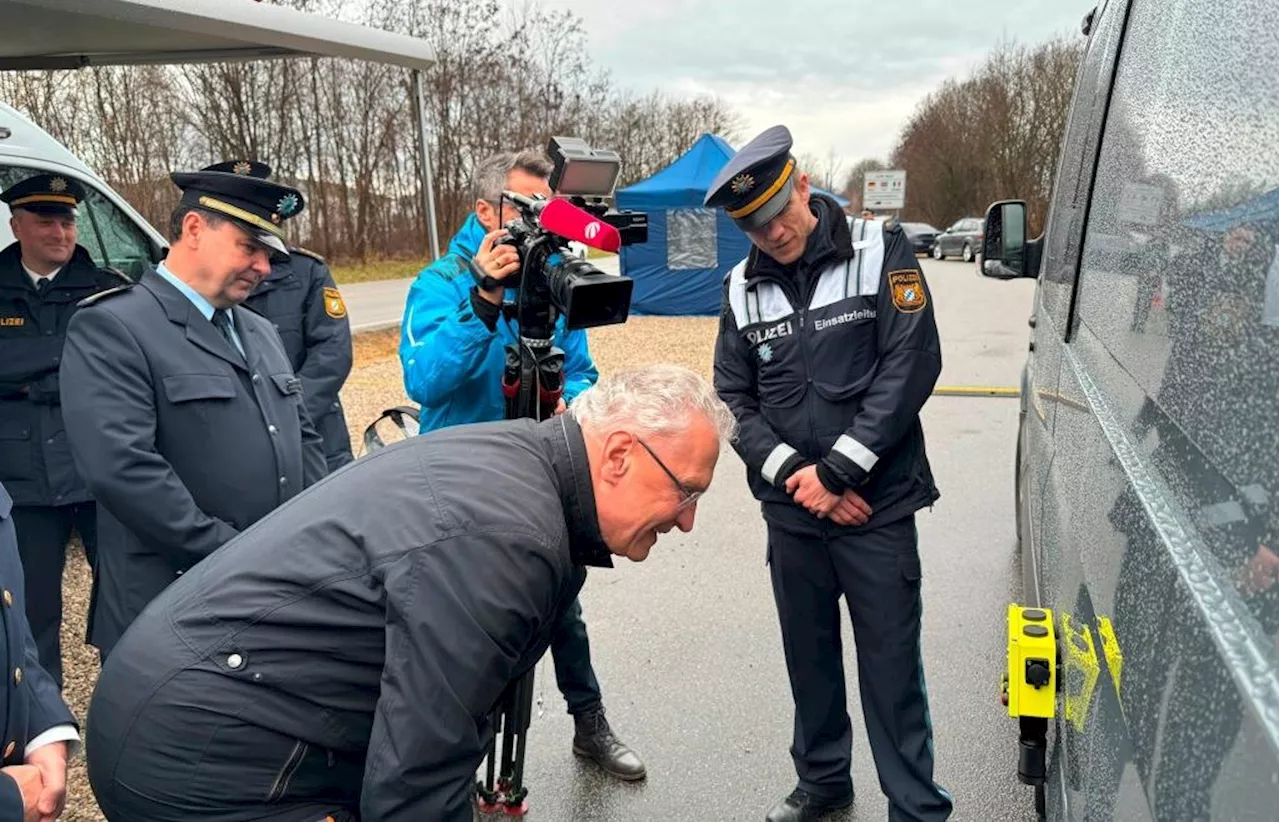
[1031, 681]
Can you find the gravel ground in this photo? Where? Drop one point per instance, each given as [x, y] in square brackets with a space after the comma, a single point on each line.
[374, 385]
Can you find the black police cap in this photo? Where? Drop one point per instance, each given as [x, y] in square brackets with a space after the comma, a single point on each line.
[45, 194]
[257, 205]
[250, 168]
[755, 185]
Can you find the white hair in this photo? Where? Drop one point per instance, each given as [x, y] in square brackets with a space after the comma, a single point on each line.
[657, 399]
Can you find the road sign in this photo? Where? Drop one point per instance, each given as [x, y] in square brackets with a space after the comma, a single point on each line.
[884, 189]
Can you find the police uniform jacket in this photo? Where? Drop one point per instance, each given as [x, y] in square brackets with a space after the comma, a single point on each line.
[183, 442]
[35, 460]
[30, 703]
[377, 617]
[828, 362]
[302, 300]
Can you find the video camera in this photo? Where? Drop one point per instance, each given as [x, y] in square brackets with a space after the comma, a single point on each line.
[552, 279]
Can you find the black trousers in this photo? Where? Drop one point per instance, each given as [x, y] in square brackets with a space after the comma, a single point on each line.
[878, 573]
[571, 653]
[43, 533]
[172, 763]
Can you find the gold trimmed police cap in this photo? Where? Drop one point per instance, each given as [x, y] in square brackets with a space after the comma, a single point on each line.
[251, 168]
[259, 206]
[45, 194]
[755, 185]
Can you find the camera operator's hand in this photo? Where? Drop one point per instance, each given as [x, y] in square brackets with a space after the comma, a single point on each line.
[497, 261]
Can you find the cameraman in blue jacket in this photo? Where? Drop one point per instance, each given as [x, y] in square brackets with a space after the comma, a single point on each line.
[453, 352]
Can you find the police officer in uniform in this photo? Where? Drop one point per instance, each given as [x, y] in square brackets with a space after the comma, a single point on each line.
[42, 277]
[301, 298]
[826, 352]
[38, 728]
[185, 417]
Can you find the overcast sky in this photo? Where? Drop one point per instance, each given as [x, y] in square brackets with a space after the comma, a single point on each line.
[843, 76]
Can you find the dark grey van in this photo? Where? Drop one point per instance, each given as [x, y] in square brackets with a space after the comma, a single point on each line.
[1147, 449]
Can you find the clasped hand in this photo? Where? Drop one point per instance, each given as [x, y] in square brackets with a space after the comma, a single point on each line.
[842, 509]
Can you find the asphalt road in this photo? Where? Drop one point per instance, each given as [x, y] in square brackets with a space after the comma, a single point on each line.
[687, 648]
[375, 305]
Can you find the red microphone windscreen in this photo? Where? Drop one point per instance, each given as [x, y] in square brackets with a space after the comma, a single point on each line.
[566, 220]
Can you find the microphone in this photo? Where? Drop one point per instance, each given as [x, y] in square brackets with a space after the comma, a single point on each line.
[572, 223]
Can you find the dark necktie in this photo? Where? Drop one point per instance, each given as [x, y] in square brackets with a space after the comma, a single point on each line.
[42, 286]
[222, 321]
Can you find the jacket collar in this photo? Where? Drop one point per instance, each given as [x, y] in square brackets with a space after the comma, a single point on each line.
[200, 331]
[573, 472]
[467, 241]
[829, 243]
[78, 273]
[280, 272]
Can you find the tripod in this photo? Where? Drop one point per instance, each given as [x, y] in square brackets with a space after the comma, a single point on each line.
[532, 384]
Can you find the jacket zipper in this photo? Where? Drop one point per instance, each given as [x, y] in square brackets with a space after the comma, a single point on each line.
[788, 288]
[812, 286]
[291, 766]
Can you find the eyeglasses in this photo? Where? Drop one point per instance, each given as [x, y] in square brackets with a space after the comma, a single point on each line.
[687, 497]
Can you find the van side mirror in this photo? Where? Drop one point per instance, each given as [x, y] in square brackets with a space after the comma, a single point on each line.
[1004, 241]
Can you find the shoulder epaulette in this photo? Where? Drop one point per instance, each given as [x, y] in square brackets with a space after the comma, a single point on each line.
[306, 252]
[102, 295]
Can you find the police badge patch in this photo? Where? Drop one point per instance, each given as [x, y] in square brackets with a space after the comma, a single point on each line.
[333, 304]
[908, 290]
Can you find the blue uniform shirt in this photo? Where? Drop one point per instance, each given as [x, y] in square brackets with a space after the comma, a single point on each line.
[197, 299]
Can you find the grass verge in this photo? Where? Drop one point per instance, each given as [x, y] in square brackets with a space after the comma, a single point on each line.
[378, 270]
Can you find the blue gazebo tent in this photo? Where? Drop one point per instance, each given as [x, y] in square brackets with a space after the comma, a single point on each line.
[1258, 209]
[680, 270]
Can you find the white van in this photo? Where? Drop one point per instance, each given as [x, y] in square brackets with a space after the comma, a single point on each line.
[110, 229]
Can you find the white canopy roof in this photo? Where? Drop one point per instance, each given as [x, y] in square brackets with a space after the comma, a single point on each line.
[70, 34]
[62, 34]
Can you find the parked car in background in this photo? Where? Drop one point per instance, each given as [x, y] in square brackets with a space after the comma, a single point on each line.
[963, 239]
[921, 235]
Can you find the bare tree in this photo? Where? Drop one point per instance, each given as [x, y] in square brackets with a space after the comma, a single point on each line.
[993, 135]
[505, 76]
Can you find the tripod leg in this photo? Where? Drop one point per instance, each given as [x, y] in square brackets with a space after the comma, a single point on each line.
[515, 802]
[510, 729]
[523, 719]
[487, 797]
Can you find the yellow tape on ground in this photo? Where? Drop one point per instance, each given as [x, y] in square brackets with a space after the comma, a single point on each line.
[975, 391]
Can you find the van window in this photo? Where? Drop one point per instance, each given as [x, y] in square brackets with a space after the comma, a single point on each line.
[1178, 278]
[109, 235]
[1075, 166]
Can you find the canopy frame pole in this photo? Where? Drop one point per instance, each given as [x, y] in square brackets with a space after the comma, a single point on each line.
[428, 190]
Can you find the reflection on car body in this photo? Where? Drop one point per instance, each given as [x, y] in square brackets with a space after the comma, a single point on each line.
[1147, 448]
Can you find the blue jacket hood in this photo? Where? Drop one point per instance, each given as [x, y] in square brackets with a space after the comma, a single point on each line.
[467, 241]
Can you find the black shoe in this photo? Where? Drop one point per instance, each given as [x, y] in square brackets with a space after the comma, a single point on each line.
[593, 739]
[802, 806]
